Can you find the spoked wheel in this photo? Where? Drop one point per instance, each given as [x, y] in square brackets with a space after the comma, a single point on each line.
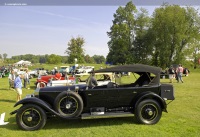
[31, 117]
[68, 104]
[148, 112]
[41, 85]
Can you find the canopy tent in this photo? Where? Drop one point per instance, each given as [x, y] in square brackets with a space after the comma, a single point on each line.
[22, 62]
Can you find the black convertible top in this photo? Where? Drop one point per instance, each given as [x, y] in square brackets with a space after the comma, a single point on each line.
[132, 68]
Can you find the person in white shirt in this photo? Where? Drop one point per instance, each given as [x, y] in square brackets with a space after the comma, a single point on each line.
[11, 79]
[26, 79]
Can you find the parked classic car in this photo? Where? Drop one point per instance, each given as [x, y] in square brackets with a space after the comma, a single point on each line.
[43, 80]
[144, 97]
[102, 79]
[64, 69]
[84, 69]
[4, 71]
[38, 71]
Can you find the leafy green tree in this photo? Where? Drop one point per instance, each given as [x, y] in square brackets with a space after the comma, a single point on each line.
[142, 48]
[99, 59]
[191, 41]
[54, 59]
[88, 59]
[169, 26]
[75, 50]
[5, 56]
[64, 59]
[42, 59]
[174, 29]
[121, 35]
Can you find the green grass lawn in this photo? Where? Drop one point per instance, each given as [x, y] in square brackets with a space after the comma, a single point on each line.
[182, 119]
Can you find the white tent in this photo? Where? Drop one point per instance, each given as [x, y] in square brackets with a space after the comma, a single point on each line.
[27, 63]
[22, 63]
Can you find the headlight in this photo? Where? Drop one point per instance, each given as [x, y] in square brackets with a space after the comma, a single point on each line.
[29, 96]
[76, 88]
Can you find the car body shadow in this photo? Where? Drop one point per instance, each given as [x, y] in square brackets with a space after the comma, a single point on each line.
[59, 123]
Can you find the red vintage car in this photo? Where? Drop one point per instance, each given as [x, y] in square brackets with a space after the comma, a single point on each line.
[43, 80]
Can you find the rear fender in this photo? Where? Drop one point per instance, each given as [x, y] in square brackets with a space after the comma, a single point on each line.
[151, 95]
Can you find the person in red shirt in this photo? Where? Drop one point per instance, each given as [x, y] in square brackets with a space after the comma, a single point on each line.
[180, 73]
[58, 76]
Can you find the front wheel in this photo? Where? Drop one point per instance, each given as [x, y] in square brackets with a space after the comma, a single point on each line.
[31, 117]
[148, 112]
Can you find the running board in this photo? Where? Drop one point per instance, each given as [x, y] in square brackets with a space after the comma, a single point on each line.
[107, 115]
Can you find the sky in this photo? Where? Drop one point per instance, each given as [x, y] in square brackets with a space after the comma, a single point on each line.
[41, 30]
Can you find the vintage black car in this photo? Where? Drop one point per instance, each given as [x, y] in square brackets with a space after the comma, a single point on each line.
[144, 97]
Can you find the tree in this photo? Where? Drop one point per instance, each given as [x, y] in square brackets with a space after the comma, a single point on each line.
[54, 59]
[121, 35]
[75, 50]
[99, 59]
[88, 59]
[64, 59]
[174, 29]
[42, 59]
[5, 56]
[192, 35]
[169, 24]
[142, 48]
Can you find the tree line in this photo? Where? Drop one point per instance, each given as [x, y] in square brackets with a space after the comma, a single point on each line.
[167, 37]
[52, 59]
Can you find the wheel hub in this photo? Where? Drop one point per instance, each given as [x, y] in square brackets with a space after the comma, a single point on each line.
[29, 119]
[68, 105]
[149, 112]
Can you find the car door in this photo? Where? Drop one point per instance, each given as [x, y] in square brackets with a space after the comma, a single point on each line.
[102, 97]
[126, 95]
[95, 98]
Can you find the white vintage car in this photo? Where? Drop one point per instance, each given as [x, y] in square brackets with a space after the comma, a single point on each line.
[102, 79]
[84, 69]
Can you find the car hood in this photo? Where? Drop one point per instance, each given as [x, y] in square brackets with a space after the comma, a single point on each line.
[64, 88]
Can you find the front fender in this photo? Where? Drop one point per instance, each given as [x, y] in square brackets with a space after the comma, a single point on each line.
[151, 95]
[39, 102]
[36, 101]
[39, 81]
[33, 100]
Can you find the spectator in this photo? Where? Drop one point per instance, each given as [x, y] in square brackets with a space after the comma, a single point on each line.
[58, 76]
[11, 79]
[54, 71]
[171, 74]
[92, 81]
[180, 73]
[26, 79]
[66, 77]
[18, 86]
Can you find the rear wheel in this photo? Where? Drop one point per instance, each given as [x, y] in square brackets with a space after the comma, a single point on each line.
[148, 112]
[31, 117]
[69, 104]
